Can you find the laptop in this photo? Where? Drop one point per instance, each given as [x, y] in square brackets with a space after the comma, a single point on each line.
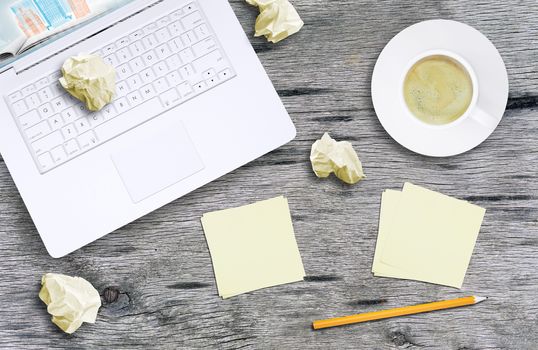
[193, 103]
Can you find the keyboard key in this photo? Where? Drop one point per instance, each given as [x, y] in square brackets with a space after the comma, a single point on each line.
[14, 97]
[45, 111]
[163, 51]
[134, 98]
[29, 119]
[96, 119]
[177, 45]
[81, 109]
[134, 82]
[209, 73]
[108, 112]
[192, 20]
[57, 89]
[200, 87]
[124, 71]
[46, 143]
[201, 31]
[58, 154]
[185, 89]
[147, 75]
[121, 88]
[45, 94]
[176, 14]
[162, 22]
[45, 161]
[173, 62]
[58, 104]
[149, 58]
[87, 140]
[32, 101]
[174, 78]
[186, 55]
[56, 122]
[136, 35]
[136, 64]
[109, 49]
[41, 83]
[160, 85]
[204, 47]
[150, 28]
[121, 105]
[82, 125]
[163, 35]
[175, 28]
[225, 74]
[71, 147]
[19, 107]
[212, 81]
[161, 68]
[112, 60]
[149, 41]
[28, 90]
[186, 71]
[148, 91]
[69, 131]
[124, 55]
[37, 131]
[137, 48]
[123, 42]
[208, 61]
[170, 98]
[69, 115]
[188, 38]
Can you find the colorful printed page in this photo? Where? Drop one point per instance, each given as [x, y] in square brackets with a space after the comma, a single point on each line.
[253, 247]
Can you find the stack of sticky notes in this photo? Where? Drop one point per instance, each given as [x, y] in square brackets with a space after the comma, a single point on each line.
[425, 236]
[253, 247]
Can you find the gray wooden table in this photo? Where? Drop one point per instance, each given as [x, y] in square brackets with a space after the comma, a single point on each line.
[156, 277]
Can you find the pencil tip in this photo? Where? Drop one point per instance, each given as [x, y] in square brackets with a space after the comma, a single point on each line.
[479, 299]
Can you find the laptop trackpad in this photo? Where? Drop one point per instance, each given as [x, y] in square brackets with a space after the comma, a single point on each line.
[157, 161]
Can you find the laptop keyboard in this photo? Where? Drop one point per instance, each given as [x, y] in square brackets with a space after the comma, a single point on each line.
[159, 66]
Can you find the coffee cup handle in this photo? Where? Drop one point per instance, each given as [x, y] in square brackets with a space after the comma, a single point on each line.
[484, 118]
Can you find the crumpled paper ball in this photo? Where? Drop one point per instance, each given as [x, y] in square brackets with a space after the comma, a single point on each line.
[70, 300]
[278, 19]
[329, 156]
[89, 79]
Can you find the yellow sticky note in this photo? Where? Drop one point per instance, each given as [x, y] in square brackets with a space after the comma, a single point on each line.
[389, 204]
[431, 236]
[70, 300]
[278, 19]
[253, 247]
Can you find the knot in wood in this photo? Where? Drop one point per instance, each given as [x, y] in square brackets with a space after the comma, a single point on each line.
[110, 294]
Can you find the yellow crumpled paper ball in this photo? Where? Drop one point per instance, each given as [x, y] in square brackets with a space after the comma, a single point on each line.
[278, 19]
[329, 156]
[89, 79]
[70, 300]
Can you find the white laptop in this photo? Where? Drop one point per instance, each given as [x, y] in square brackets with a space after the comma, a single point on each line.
[193, 103]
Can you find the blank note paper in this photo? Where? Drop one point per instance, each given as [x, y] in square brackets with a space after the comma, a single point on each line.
[425, 236]
[253, 247]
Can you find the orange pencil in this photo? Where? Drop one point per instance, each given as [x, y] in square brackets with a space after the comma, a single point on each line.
[401, 311]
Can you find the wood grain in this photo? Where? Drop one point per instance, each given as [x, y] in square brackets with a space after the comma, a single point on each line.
[156, 276]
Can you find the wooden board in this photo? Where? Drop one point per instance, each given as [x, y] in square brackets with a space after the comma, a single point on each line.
[156, 277]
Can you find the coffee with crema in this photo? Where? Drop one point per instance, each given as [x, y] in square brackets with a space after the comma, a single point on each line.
[438, 90]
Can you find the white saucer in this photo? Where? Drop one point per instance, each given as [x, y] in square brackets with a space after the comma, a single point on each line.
[468, 131]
